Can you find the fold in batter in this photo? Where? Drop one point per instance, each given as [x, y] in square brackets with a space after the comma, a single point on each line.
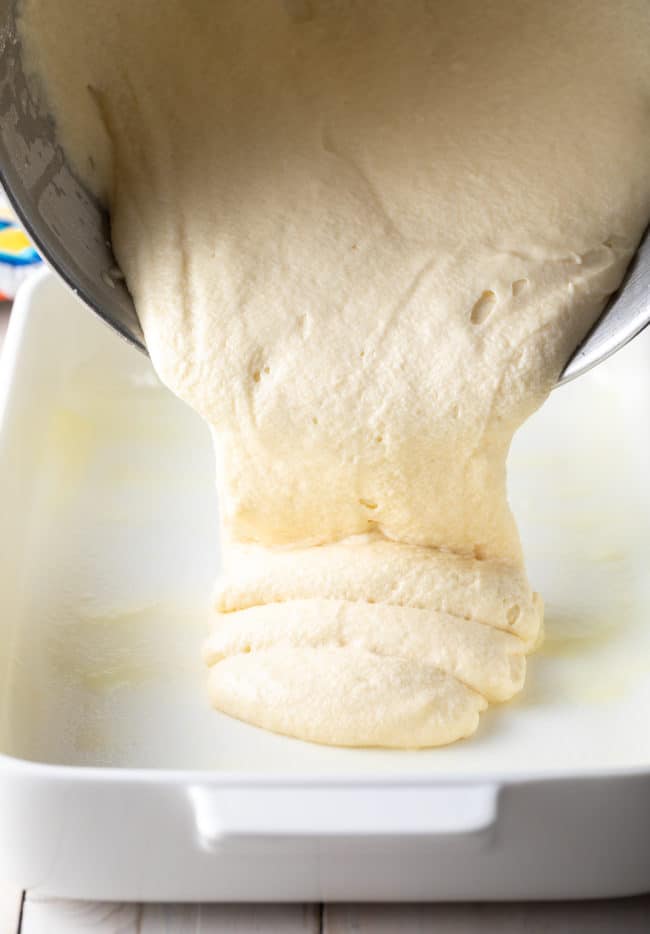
[362, 239]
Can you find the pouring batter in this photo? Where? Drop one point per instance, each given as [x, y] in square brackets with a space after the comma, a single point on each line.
[362, 239]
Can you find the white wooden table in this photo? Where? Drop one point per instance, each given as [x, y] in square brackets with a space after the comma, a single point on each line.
[29, 914]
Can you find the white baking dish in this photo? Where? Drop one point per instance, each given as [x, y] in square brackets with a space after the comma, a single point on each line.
[117, 781]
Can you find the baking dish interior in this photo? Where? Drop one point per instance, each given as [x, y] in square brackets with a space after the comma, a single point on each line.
[109, 550]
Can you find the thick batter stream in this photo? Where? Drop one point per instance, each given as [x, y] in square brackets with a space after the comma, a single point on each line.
[362, 239]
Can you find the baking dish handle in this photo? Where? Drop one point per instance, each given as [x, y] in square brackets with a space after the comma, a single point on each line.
[222, 814]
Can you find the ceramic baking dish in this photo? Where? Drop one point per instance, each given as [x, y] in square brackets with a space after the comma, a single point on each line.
[117, 781]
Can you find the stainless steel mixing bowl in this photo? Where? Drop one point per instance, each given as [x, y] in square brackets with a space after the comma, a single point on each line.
[72, 232]
[66, 223]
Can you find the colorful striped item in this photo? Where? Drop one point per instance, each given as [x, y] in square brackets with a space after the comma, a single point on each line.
[18, 258]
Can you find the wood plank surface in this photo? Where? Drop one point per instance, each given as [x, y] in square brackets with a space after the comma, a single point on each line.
[56, 916]
[627, 916]
[53, 916]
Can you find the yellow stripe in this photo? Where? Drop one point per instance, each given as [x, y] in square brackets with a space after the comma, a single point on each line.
[13, 240]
